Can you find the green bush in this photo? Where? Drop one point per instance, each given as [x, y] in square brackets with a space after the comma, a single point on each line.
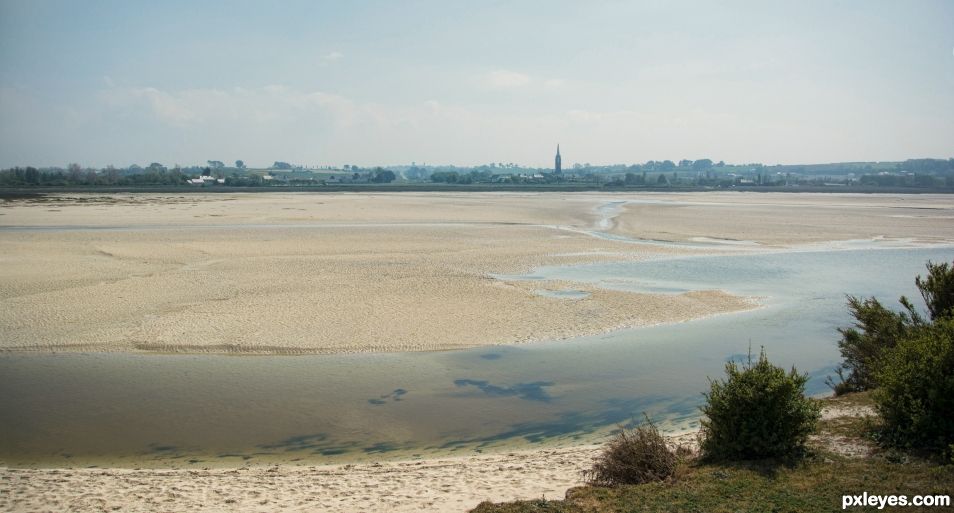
[938, 290]
[862, 346]
[916, 396]
[877, 329]
[633, 457]
[759, 411]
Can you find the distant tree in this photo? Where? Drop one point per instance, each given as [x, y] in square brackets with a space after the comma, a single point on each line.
[75, 172]
[666, 165]
[240, 164]
[685, 163]
[445, 176]
[215, 164]
[702, 164]
[383, 175]
[633, 179]
[111, 174]
[31, 175]
[281, 165]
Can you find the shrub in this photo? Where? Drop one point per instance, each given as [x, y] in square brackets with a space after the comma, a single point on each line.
[633, 457]
[938, 290]
[916, 397]
[759, 411]
[878, 329]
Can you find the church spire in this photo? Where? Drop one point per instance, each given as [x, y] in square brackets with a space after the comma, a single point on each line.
[557, 163]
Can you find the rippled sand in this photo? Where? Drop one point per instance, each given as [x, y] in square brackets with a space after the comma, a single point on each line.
[328, 273]
[297, 273]
[784, 219]
[439, 485]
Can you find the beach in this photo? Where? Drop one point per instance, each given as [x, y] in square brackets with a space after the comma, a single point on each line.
[442, 485]
[296, 274]
[338, 273]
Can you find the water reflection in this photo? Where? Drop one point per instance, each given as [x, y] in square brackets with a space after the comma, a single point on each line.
[528, 391]
[135, 409]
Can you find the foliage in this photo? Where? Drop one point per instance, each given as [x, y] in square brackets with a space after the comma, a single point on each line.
[878, 329]
[938, 290]
[814, 484]
[759, 411]
[445, 176]
[916, 394]
[633, 457]
[382, 175]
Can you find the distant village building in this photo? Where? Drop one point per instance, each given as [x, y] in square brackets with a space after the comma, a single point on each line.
[558, 163]
[206, 180]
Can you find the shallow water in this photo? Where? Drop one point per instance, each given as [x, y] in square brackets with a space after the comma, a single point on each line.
[202, 410]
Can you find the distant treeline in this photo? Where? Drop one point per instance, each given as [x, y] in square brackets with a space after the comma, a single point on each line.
[917, 173]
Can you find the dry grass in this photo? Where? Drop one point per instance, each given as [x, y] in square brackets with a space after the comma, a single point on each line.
[634, 457]
[814, 484]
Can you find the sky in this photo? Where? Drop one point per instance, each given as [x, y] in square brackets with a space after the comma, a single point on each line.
[472, 82]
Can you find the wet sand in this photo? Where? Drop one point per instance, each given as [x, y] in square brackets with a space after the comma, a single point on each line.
[294, 274]
[443, 485]
[438, 485]
[329, 273]
[779, 219]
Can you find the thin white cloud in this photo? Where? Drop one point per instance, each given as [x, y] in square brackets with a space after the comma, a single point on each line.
[330, 58]
[506, 79]
[163, 106]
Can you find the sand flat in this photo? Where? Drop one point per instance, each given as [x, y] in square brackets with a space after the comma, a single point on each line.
[293, 273]
[341, 273]
[438, 485]
[785, 219]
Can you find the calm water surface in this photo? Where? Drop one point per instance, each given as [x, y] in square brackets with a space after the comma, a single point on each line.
[129, 409]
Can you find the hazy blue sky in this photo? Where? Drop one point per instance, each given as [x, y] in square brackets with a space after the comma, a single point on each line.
[443, 82]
